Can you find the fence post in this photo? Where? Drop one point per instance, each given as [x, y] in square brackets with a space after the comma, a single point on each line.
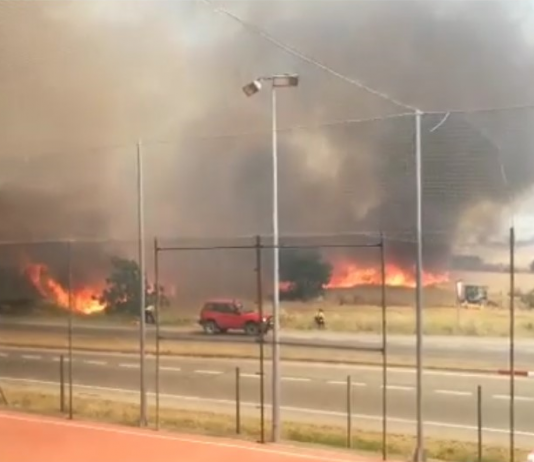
[479, 422]
[69, 330]
[512, 344]
[384, 350]
[349, 411]
[238, 400]
[62, 384]
[259, 294]
[158, 330]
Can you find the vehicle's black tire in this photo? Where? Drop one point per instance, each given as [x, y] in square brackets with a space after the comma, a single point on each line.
[223, 331]
[252, 329]
[210, 328]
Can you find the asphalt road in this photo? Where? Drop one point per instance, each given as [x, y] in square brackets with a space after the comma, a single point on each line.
[313, 393]
[489, 352]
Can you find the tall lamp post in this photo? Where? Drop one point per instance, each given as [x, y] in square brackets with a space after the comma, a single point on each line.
[276, 81]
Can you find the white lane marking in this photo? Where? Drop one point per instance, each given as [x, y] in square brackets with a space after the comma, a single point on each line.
[344, 382]
[95, 362]
[231, 402]
[490, 374]
[516, 398]
[295, 379]
[3, 355]
[251, 376]
[398, 388]
[129, 365]
[31, 357]
[453, 392]
[168, 368]
[206, 372]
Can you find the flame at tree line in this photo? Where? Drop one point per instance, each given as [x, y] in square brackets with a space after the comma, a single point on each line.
[345, 275]
[84, 300]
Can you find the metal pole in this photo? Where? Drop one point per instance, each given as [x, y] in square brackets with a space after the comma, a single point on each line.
[62, 384]
[259, 288]
[69, 330]
[419, 455]
[458, 322]
[349, 411]
[276, 284]
[156, 309]
[384, 350]
[238, 400]
[512, 344]
[479, 422]
[142, 302]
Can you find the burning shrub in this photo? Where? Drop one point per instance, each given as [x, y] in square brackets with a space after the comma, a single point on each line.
[49, 288]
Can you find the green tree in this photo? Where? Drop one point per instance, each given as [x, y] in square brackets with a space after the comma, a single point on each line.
[304, 274]
[122, 294]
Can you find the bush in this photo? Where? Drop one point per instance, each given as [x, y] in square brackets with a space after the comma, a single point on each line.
[122, 294]
[304, 275]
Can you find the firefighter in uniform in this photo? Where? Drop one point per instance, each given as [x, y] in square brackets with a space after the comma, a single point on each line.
[319, 319]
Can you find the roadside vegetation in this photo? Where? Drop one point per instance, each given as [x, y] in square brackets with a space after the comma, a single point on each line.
[488, 322]
[213, 424]
[304, 275]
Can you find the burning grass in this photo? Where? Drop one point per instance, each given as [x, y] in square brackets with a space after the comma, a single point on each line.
[214, 424]
[347, 274]
[82, 300]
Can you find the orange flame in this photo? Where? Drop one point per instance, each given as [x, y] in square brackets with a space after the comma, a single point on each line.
[83, 300]
[347, 275]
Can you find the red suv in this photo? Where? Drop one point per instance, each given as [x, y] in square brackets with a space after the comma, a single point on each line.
[220, 316]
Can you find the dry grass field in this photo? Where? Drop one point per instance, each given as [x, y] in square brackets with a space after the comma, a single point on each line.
[359, 309]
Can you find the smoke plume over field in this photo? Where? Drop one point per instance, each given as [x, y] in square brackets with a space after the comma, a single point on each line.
[81, 82]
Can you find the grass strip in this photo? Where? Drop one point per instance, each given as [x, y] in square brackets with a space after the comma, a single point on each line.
[215, 424]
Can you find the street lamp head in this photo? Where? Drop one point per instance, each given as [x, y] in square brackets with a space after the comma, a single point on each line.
[252, 88]
[285, 80]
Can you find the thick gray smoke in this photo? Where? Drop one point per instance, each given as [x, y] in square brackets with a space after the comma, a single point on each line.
[81, 82]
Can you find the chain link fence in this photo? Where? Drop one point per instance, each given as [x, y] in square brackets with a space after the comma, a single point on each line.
[84, 85]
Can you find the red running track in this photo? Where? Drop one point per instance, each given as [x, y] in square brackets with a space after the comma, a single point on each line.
[25, 438]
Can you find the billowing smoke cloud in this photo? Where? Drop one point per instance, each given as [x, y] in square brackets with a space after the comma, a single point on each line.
[81, 82]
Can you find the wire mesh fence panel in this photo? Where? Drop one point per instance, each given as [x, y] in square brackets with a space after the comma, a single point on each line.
[108, 151]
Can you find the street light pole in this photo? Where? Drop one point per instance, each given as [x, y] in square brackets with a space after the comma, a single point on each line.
[142, 326]
[276, 278]
[419, 455]
[277, 81]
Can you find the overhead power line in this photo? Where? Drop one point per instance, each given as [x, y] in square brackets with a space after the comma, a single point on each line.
[294, 52]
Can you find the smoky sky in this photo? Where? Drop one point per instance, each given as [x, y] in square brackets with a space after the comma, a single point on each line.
[82, 82]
